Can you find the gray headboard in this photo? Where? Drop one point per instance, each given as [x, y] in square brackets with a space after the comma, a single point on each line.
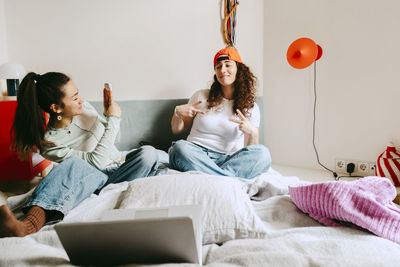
[148, 122]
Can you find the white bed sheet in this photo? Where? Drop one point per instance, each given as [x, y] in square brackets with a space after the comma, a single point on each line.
[294, 239]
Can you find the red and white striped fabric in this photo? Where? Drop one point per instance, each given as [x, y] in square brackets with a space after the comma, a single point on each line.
[388, 165]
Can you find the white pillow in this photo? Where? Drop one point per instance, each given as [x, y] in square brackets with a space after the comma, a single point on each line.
[227, 211]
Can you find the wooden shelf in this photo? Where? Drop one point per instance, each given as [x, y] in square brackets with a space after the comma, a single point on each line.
[7, 98]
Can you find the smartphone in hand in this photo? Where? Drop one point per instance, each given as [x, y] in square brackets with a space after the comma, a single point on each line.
[107, 95]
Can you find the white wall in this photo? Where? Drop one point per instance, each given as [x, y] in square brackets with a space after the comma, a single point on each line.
[3, 35]
[3, 43]
[164, 49]
[146, 49]
[357, 80]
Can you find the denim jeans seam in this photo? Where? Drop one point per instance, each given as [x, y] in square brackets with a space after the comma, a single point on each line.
[177, 163]
[154, 169]
[61, 206]
[235, 156]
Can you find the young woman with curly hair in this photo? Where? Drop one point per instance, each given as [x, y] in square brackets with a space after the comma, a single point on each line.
[224, 121]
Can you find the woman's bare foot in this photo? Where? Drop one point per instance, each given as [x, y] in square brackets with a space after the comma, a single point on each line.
[9, 225]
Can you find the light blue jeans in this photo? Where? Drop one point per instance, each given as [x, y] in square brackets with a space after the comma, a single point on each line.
[141, 162]
[74, 180]
[247, 162]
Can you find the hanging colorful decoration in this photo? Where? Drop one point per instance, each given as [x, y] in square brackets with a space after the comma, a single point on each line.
[230, 21]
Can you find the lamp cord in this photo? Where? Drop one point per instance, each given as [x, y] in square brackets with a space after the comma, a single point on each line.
[335, 175]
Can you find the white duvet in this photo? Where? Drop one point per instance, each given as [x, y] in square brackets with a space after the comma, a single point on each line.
[292, 238]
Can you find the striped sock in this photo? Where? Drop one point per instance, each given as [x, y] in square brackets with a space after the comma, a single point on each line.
[34, 220]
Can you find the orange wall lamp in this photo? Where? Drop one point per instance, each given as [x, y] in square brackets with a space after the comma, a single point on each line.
[303, 52]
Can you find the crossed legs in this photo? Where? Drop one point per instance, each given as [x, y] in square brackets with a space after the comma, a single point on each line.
[247, 162]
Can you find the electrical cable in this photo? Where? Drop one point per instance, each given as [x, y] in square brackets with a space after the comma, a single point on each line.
[335, 175]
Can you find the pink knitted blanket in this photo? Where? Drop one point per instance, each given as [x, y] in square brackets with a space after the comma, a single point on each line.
[366, 202]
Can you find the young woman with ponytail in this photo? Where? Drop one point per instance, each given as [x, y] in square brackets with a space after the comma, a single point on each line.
[76, 137]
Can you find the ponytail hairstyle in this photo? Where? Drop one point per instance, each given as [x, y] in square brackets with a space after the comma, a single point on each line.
[244, 95]
[35, 94]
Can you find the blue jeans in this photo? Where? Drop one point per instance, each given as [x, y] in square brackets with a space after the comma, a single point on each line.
[141, 162]
[247, 162]
[74, 180]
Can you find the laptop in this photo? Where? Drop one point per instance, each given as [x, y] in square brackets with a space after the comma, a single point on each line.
[158, 235]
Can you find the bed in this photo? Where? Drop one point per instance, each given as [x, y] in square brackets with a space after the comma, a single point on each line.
[245, 222]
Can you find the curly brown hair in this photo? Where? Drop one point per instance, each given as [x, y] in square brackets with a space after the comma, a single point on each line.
[244, 95]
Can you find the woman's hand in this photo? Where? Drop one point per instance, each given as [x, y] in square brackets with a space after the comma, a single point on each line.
[114, 110]
[245, 125]
[183, 117]
[188, 110]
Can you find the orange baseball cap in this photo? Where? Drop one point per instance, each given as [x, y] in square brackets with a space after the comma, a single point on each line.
[227, 53]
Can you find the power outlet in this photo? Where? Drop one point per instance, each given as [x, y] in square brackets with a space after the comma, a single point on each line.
[340, 165]
[361, 168]
[371, 168]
